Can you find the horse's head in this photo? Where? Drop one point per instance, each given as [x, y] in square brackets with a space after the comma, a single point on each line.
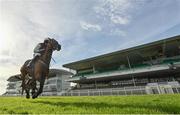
[52, 44]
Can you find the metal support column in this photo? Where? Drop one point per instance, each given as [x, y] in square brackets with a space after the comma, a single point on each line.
[164, 48]
[151, 60]
[125, 91]
[173, 78]
[128, 62]
[130, 69]
[94, 69]
[133, 80]
[95, 84]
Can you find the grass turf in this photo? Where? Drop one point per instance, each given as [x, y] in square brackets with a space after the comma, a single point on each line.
[164, 104]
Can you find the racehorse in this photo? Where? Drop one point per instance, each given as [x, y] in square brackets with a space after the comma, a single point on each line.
[39, 71]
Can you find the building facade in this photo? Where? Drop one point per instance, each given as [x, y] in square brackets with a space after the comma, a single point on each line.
[56, 83]
[146, 69]
[13, 86]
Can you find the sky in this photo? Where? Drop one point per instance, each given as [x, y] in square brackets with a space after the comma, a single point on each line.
[84, 28]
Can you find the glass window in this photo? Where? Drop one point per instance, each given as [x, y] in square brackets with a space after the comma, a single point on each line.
[53, 88]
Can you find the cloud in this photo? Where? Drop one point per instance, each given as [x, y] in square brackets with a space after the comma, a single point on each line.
[115, 10]
[120, 20]
[24, 24]
[88, 26]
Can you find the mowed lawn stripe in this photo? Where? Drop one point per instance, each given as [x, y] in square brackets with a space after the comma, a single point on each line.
[166, 104]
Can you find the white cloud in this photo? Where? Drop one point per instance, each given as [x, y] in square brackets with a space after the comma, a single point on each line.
[88, 26]
[117, 11]
[119, 20]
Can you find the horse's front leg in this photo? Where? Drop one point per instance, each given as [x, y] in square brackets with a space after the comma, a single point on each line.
[40, 89]
[34, 88]
[27, 93]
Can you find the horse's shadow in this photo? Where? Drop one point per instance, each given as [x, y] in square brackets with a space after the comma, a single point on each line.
[98, 105]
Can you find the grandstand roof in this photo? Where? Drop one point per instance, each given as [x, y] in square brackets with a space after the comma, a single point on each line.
[14, 78]
[135, 53]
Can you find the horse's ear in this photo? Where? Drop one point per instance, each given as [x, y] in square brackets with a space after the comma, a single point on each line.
[46, 40]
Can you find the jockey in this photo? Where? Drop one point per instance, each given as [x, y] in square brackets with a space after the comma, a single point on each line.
[38, 51]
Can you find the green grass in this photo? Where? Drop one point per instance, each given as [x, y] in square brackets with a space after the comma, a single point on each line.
[165, 104]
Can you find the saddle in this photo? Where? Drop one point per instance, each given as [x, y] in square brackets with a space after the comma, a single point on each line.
[31, 67]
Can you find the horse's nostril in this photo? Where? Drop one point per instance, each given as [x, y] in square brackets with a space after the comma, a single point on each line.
[59, 47]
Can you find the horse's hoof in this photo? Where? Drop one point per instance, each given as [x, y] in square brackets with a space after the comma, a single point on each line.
[27, 96]
[34, 96]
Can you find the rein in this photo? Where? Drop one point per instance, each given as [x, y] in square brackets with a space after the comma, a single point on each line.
[53, 59]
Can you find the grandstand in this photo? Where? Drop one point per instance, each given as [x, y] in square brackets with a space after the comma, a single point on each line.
[152, 68]
[54, 85]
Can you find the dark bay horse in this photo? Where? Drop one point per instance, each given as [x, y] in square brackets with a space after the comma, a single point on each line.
[39, 71]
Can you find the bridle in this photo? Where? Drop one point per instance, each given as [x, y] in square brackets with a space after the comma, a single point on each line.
[52, 45]
[53, 48]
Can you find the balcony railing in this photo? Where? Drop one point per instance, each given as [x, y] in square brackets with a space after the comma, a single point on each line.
[159, 63]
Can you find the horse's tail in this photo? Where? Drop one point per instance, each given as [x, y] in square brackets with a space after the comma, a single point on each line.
[22, 76]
